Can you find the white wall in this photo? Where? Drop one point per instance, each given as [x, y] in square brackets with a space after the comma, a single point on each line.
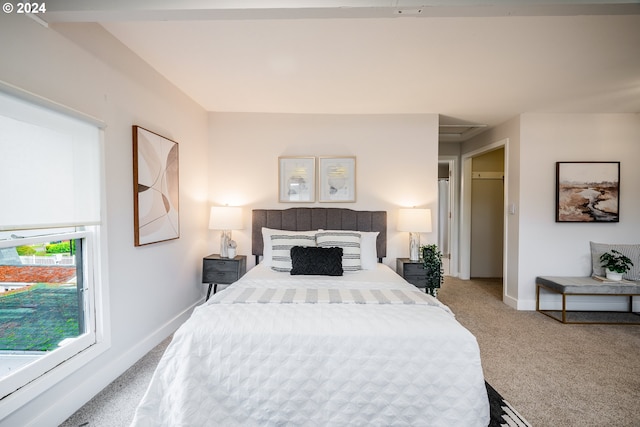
[548, 248]
[396, 163]
[151, 289]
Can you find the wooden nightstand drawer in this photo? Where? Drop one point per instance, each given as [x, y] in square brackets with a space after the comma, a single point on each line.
[222, 271]
[416, 277]
[220, 266]
[220, 277]
[412, 271]
[418, 283]
[415, 273]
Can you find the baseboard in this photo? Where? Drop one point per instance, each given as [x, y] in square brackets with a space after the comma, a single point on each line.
[510, 301]
[67, 405]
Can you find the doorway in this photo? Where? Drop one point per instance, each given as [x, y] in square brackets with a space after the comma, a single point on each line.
[491, 172]
[487, 215]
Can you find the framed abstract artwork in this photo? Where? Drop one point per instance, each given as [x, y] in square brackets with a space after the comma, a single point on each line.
[337, 179]
[587, 191]
[297, 179]
[156, 192]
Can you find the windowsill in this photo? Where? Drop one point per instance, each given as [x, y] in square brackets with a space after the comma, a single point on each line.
[11, 361]
[24, 395]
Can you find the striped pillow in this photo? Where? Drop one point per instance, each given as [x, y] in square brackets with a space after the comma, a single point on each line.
[631, 251]
[281, 245]
[349, 241]
[266, 239]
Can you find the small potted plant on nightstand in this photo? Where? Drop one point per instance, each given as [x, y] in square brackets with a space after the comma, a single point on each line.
[432, 263]
[615, 264]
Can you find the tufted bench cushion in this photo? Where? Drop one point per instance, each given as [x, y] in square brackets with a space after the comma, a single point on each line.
[588, 285]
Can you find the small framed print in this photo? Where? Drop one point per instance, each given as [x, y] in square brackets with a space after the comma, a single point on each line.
[337, 179]
[297, 179]
[587, 191]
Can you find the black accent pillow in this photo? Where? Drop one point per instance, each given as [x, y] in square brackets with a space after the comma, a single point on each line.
[316, 261]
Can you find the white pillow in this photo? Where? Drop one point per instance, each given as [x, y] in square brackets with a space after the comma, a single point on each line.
[368, 248]
[349, 241]
[281, 245]
[267, 251]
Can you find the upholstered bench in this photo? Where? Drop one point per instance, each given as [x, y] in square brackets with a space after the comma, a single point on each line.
[583, 286]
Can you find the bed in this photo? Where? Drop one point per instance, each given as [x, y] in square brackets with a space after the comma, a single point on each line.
[364, 348]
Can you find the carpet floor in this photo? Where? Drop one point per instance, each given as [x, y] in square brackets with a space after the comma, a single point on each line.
[554, 374]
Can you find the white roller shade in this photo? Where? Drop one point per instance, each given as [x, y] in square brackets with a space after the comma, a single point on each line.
[49, 167]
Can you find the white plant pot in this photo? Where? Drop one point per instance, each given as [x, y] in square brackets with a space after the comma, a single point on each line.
[231, 252]
[612, 275]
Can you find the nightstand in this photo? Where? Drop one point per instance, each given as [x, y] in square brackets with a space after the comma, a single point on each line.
[413, 272]
[222, 271]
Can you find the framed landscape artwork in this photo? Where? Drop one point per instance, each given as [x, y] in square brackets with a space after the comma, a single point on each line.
[337, 179]
[297, 179]
[587, 191]
[155, 187]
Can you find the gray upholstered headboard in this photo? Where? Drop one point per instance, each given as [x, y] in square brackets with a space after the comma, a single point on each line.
[305, 219]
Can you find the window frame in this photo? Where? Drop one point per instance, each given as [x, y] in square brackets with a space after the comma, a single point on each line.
[30, 372]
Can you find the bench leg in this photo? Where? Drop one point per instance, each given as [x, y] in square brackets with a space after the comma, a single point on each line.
[563, 318]
[538, 309]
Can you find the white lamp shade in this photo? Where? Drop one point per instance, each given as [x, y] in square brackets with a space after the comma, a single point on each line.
[225, 218]
[414, 220]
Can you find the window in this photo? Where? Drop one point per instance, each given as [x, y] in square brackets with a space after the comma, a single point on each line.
[41, 297]
[50, 174]
[46, 304]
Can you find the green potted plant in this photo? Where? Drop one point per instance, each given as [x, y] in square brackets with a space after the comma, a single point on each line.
[432, 263]
[615, 264]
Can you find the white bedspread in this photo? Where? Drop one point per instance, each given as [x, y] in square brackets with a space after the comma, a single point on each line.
[320, 363]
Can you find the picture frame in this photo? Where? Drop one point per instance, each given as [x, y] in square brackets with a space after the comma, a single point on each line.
[156, 190]
[337, 179]
[588, 192]
[296, 179]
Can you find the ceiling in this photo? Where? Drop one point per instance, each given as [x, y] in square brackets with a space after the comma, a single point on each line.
[477, 64]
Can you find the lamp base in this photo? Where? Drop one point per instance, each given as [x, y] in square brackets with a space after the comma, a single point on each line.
[414, 246]
[225, 238]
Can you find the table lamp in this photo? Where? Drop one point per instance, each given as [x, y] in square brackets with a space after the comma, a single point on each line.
[415, 221]
[225, 218]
